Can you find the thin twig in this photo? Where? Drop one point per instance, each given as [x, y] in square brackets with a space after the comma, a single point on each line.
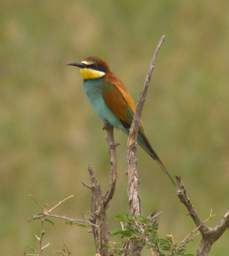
[60, 203]
[47, 213]
[71, 220]
[113, 162]
[41, 246]
[182, 194]
[191, 235]
[40, 239]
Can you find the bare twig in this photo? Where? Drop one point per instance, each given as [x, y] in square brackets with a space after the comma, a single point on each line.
[113, 162]
[135, 247]
[209, 235]
[41, 245]
[98, 216]
[68, 219]
[48, 213]
[60, 203]
[191, 235]
[100, 201]
[182, 194]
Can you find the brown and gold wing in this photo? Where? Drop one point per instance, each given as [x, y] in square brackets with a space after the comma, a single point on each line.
[119, 101]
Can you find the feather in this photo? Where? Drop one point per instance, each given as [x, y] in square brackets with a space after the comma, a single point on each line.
[122, 105]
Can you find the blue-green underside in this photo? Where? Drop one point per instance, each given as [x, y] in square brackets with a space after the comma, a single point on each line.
[94, 90]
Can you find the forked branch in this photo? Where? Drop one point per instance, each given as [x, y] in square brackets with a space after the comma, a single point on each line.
[100, 201]
[48, 213]
[209, 235]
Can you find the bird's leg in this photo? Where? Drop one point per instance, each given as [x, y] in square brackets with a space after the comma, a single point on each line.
[106, 125]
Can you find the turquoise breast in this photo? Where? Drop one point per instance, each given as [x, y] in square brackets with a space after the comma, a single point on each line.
[94, 90]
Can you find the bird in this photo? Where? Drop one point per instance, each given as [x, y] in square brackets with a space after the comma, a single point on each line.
[112, 102]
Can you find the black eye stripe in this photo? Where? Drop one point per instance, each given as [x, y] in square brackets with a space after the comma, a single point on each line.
[97, 67]
[93, 66]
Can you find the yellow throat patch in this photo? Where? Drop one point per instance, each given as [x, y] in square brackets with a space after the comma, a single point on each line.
[88, 73]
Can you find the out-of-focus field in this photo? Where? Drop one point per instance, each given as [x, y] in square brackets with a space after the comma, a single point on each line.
[49, 134]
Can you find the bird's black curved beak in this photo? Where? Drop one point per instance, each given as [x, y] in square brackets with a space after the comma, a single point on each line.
[77, 64]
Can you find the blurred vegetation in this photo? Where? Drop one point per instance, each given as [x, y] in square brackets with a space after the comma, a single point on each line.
[49, 134]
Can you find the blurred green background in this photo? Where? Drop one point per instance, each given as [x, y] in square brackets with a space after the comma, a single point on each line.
[49, 134]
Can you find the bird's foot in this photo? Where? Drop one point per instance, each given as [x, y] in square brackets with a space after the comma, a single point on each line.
[107, 126]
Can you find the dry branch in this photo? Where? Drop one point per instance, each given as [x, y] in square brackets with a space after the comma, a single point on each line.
[98, 216]
[113, 162]
[135, 247]
[100, 201]
[209, 235]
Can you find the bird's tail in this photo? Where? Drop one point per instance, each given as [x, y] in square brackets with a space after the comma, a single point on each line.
[145, 144]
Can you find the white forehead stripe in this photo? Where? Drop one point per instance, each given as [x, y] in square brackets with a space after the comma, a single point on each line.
[87, 62]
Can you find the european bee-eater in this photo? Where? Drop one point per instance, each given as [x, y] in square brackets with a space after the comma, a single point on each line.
[111, 100]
